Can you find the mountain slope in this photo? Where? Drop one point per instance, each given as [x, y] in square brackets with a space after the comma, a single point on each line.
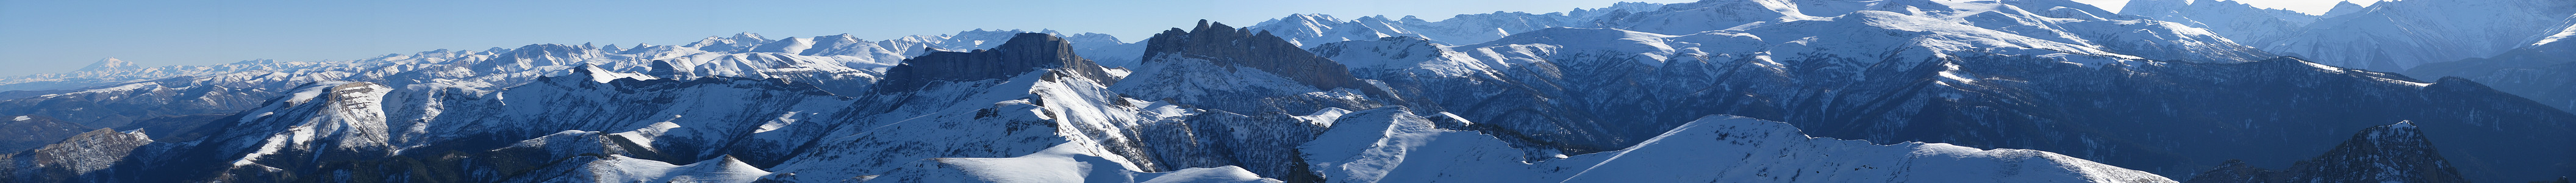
[2400, 35]
[1393, 145]
[2387, 153]
[2544, 71]
[1892, 76]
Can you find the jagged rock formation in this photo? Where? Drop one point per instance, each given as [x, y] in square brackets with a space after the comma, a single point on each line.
[1226, 46]
[1220, 67]
[1024, 52]
[2389, 153]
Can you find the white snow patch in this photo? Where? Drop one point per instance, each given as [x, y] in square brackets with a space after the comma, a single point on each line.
[1324, 117]
[2562, 35]
[1954, 74]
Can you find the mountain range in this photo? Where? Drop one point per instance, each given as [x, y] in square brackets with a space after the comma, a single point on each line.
[1924, 90]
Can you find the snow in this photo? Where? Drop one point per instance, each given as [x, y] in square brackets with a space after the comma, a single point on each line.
[1067, 162]
[1223, 174]
[620, 168]
[2563, 34]
[352, 116]
[1385, 145]
[1325, 117]
[1954, 74]
[1062, 163]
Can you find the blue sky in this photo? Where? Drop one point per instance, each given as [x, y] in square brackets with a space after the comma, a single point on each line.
[59, 36]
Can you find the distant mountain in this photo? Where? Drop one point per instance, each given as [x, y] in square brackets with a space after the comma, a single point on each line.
[118, 95]
[2544, 71]
[1938, 75]
[1637, 92]
[2391, 36]
[2239, 22]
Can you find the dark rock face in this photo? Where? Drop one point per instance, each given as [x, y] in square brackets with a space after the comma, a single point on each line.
[1025, 52]
[82, 157]
[2391, 153]
[1228, 46]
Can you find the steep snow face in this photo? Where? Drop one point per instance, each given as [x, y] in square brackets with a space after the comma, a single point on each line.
[1392, 145]
[332, 119]
[2403, 34]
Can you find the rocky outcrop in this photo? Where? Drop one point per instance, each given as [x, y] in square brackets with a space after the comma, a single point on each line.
[1025, 52]
[2390, 153]
[83, 157]
[1228, 46]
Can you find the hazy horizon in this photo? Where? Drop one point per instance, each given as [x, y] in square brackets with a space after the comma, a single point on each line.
[54, 37]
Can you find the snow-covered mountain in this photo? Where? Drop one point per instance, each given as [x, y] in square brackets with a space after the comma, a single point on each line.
[2544, 71]
[940, 116]
[2392, 36]
[124, 97]
[1393, 145]
[1752, 90]
[2240, 22]
[2079, 27]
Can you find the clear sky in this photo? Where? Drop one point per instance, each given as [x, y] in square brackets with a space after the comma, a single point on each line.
[57, 36]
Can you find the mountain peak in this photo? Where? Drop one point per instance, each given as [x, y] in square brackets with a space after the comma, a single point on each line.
[2386, 153]
[1227, 46]
[1023, 53]
[2344, 7]
[110, 64]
